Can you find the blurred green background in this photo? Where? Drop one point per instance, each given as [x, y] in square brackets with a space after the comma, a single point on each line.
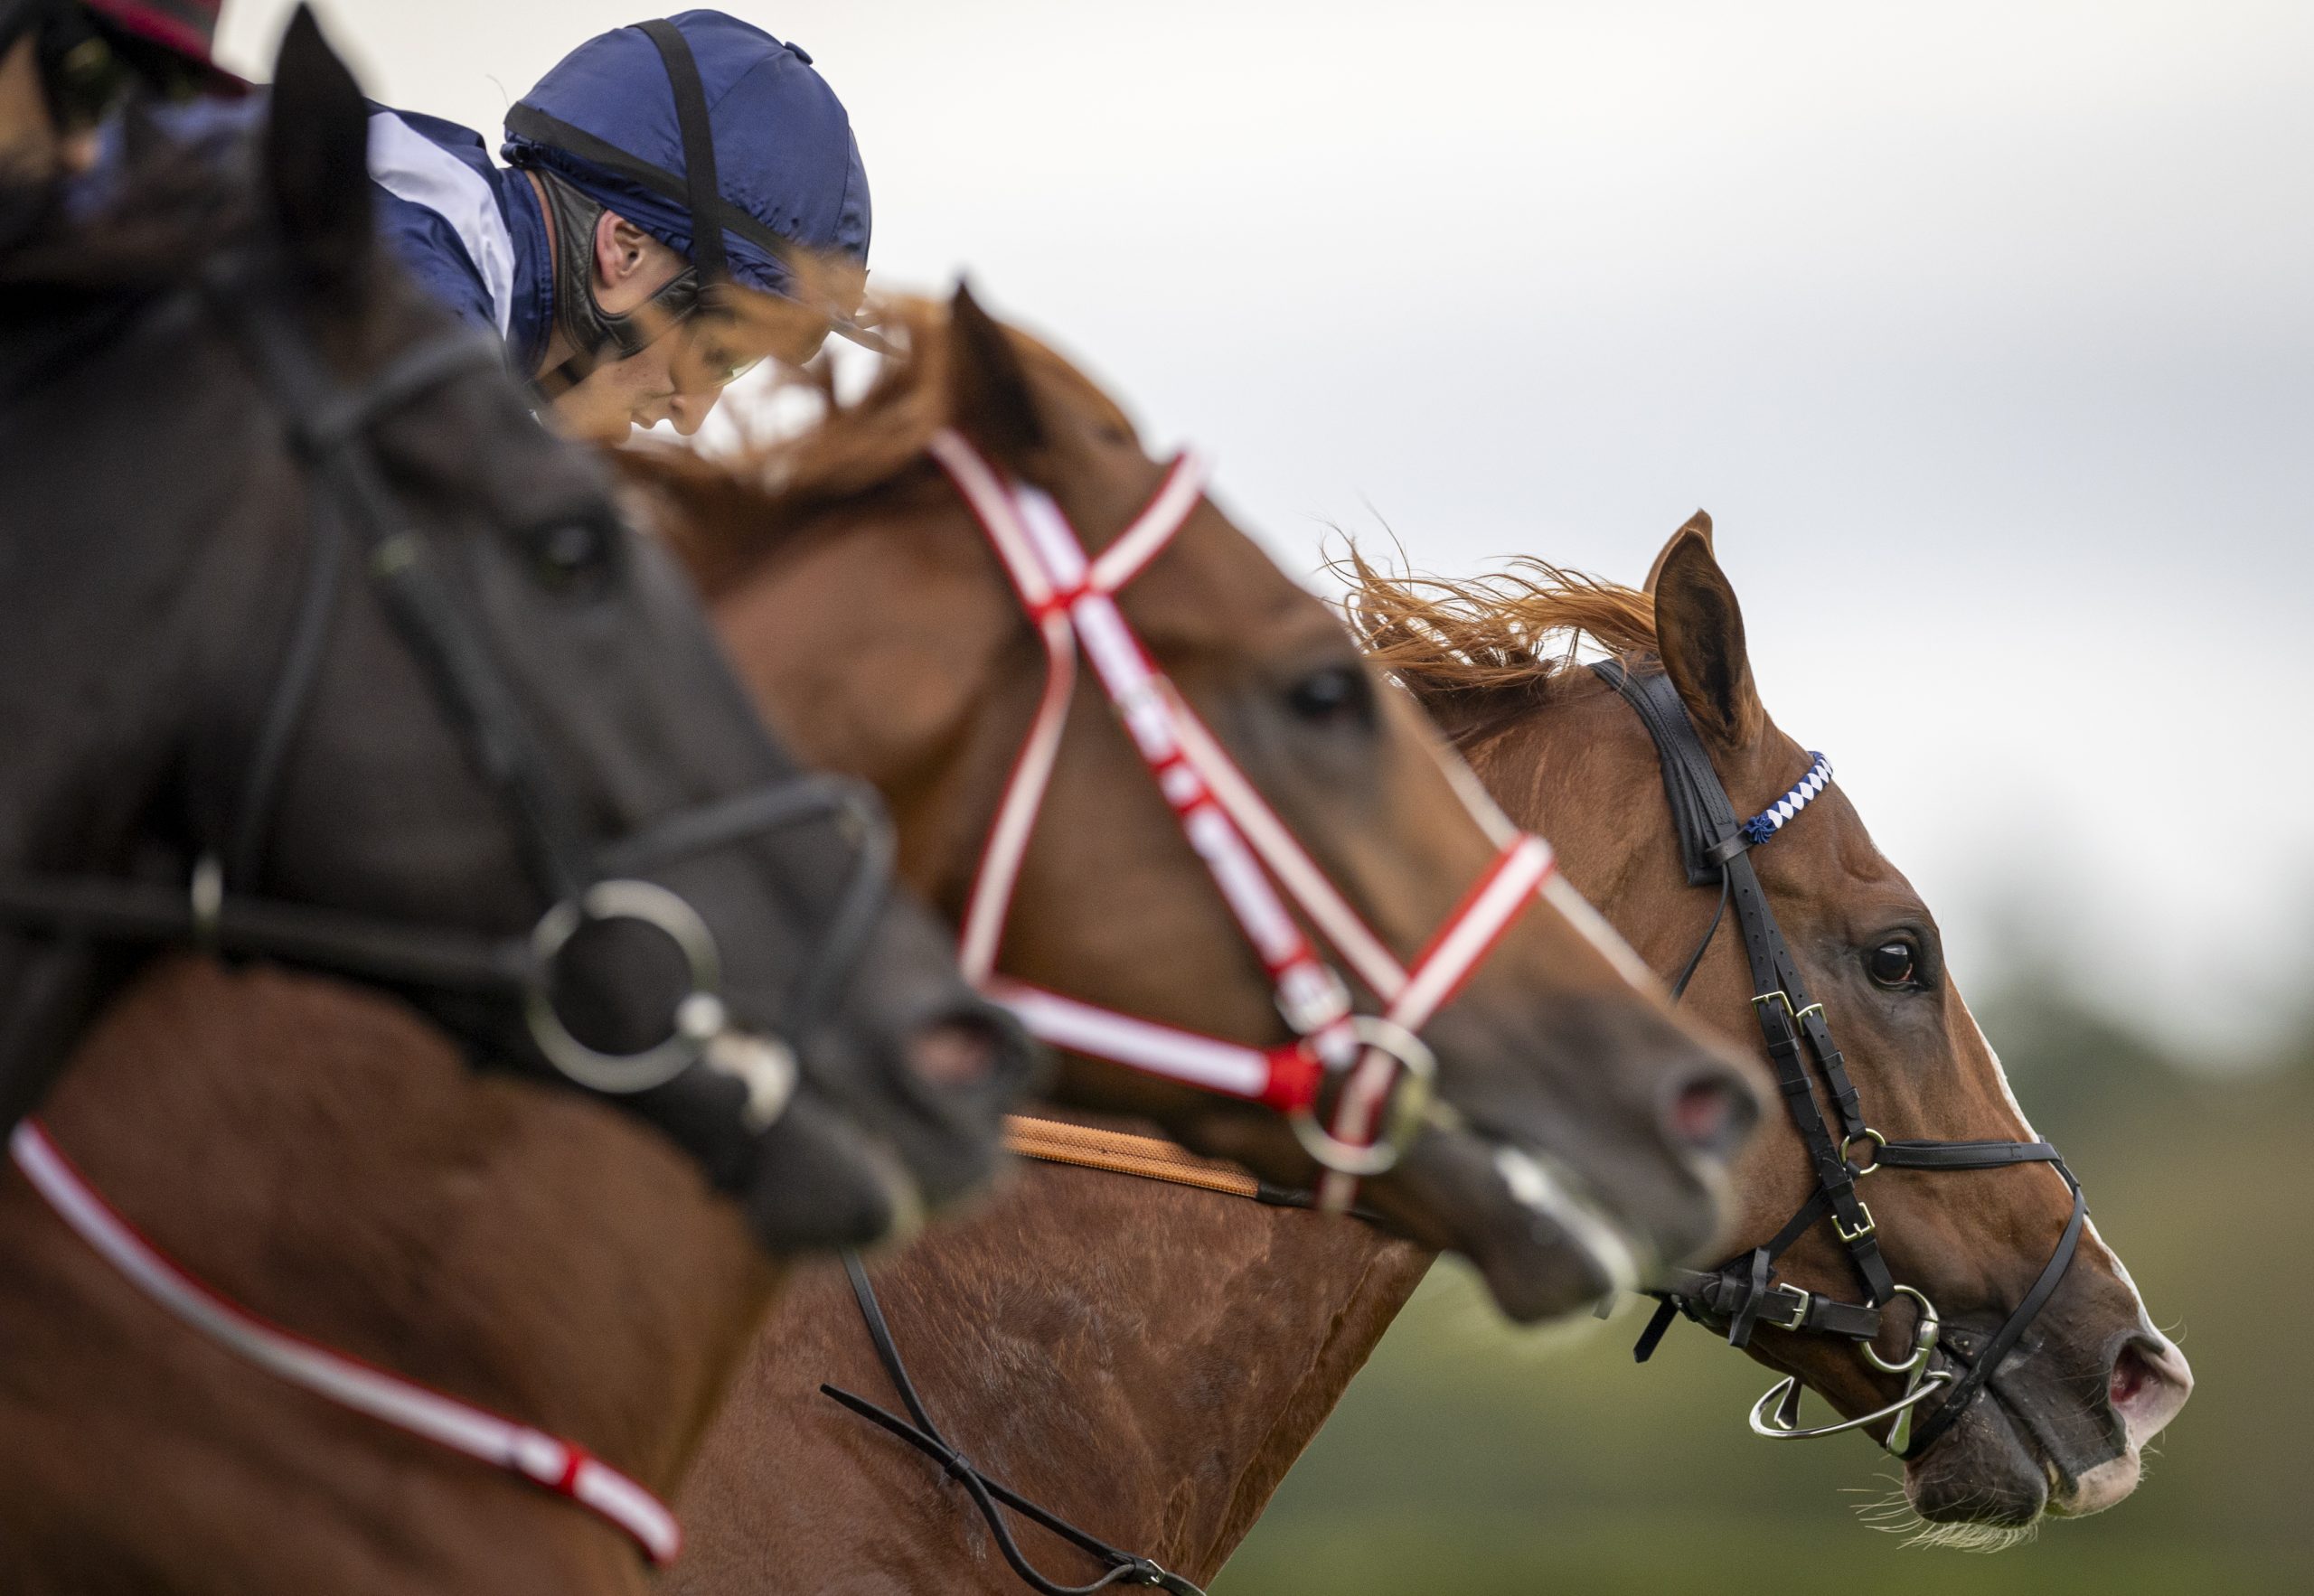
[1474, 1459]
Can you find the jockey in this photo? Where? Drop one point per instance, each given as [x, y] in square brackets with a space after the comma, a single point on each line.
[654, 164]
[65, 65]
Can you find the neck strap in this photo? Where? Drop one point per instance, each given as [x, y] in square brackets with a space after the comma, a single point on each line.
[562, 1467]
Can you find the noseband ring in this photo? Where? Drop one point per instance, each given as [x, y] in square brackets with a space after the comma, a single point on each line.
[699, 1016]
[1879, 1146]
[1409, 1103]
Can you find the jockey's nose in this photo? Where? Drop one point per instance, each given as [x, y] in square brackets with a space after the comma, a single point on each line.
[689, 411]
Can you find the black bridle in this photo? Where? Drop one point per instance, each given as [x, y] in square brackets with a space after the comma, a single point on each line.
[357, 520]
[1744, 1293]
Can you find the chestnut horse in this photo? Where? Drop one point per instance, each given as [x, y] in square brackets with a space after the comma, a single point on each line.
[1147, 1359]
[865, 607]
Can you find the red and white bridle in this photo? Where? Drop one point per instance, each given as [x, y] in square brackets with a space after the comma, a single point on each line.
[1254, 860]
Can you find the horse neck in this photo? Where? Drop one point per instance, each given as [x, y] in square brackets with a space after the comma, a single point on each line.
[1144, 1359]
[316, 1153]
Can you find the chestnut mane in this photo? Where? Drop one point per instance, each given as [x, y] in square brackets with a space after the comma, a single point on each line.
[741, 505]
[1455, 642]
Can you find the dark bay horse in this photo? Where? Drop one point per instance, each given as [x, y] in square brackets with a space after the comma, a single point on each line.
[293, 581]
[1147, 1358]
[879, 630]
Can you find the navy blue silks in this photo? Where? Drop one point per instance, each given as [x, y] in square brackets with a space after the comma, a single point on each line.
[472, 232]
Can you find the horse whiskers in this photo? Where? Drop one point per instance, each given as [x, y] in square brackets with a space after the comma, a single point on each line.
[1893, 1514]
[1974, 1537]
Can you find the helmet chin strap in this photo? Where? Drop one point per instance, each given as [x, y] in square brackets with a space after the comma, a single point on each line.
[599, 336]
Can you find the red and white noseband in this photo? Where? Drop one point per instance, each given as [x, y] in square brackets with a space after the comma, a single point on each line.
[1070, 597]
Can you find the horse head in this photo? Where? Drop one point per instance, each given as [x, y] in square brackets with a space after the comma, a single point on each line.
[314, 627]
[2061, 1422]
[863, 583]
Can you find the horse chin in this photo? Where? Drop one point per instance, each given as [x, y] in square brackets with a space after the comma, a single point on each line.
[1992, 1479]
[1984, 1485]
[1542, 1247]
[1534, 1273]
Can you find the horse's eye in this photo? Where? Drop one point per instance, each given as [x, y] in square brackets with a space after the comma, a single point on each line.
[571, 550]
[1332, 695]
[1893, 965]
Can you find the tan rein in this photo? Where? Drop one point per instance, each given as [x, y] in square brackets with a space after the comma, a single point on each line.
[1120, 1152]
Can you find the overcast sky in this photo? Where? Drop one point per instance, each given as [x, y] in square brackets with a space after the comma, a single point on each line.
[1984, 331]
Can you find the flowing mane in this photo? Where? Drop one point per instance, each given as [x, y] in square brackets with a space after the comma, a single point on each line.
[737, 506]
[1455, 642]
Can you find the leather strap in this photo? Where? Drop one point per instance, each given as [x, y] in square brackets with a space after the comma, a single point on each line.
[1712, 841]
[1119, 1152]
[989, 1496]
[440, 958]
[705, 191]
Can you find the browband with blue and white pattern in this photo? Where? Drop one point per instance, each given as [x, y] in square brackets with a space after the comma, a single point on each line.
[1772, 819]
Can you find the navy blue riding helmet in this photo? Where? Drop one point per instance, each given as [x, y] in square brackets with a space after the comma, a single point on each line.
[707, 133]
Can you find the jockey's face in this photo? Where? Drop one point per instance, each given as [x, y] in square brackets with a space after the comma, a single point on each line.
[677, 377]
[33, 148]
[641, 391]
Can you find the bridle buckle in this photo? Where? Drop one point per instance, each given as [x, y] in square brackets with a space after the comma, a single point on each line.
[1801, 1298]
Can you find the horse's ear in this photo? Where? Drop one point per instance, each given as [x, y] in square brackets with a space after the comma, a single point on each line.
[1698, 523]
[1700, 632]
[989, 388]
[317, 155]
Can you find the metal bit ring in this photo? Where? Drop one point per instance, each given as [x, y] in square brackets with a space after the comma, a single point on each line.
[1409, 1105]
[698, 1017]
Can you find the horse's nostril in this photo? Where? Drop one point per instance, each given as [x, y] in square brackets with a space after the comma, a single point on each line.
[953, 1054]
[2150, 1382]
[1712, 1113]
[2131, 1378]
